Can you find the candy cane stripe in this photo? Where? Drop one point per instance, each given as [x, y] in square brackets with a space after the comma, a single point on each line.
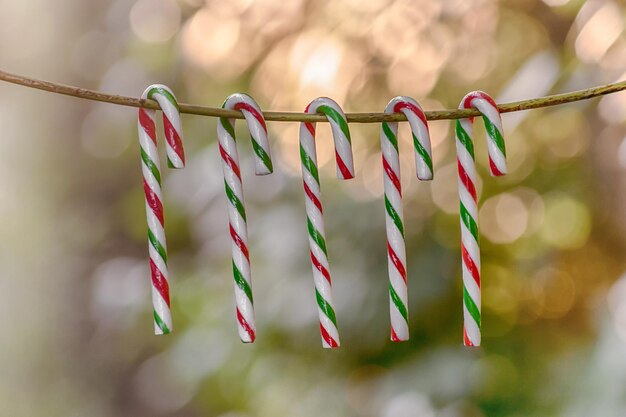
[317, 236]
[396, 251]
[233, 189]
[393, 177]
[337, 118]
[330, 342]
[320, 267]
[242, 283]
[314, 210]
[326, 307]
[423, 153]
[397, 262]
[398, 303]
[468, 199]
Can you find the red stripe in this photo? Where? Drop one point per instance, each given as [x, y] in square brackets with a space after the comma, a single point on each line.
[466, 339]
[494, 169]
[246, 327]
[310, 127]
[396, 262]
[171, 135]
[153, 202]
[486, 97]
[255, 113]
[160, 282]
[470, 265]
[312, 197]
[392, 176]
[345, 172]
[413, 108]
[239, 242]
[394, 336]
[320, 267]
[147, 124]
[327, 338]
[466, 180]
[230, 162]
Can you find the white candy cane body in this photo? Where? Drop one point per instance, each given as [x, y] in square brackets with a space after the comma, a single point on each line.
[470, 247]
[150, 167]
[314, 211]
[236, 211]
[396, 251]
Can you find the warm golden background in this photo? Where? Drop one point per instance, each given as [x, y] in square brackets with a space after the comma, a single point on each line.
[75, 306]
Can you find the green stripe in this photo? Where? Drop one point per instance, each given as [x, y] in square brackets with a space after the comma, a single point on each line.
[390, 135]
[494, 134]
[422, 152]
[469, 222]
[151, 165]
[338, 118]
[242, 283]
[157, 245]
[165, 93]
[230, 194]
[160, 323]
[464, 138]
[309, 164]
[316, 236]
[471, 307]
[394, 216]
[228, 127]
[326, 308]
[258, 149]
[398, 303]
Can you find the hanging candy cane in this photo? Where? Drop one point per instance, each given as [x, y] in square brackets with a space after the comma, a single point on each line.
[234, 192]
[469, 201]
[150, 168]
[396, 252]
[313, 204]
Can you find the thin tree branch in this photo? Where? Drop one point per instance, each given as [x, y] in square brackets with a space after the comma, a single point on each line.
[534, 103]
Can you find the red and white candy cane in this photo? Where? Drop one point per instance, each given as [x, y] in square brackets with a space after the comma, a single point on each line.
[470, 247]
[151, 170]
[396, 251]
[313, 204]
[234, 192]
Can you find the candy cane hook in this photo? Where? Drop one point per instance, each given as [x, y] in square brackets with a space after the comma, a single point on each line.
[396, 252]
[234, 192]
[467, 177]
[151, 170]
[313, 204]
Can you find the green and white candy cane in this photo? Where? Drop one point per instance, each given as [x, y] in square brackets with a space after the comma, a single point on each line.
[470, 247]
[396, 251]
[151, 170]
[313, 205]
[234, 192]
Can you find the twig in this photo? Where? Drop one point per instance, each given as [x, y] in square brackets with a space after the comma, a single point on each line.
[534, 103]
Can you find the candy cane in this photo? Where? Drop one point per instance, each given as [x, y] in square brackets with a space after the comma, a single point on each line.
[234, 192]
[313, 204]
[469, 202]
[396, 252]
[150, 168]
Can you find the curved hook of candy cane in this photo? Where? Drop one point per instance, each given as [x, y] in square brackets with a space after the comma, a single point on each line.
[313, 205]
[482, 102]
[171, 123]
[467, 179]
[151, 171]
[396, 251]
[244, 301]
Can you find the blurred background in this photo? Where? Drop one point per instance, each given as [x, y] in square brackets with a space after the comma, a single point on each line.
[77, 329]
